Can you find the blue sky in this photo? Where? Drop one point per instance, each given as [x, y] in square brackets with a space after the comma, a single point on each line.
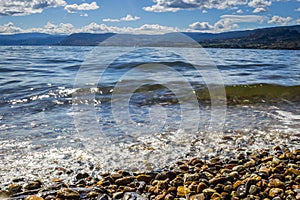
[144, 16]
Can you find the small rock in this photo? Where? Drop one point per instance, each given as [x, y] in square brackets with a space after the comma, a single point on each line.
[14, 188]
[166, 175]
[132, 196]
[82, 176]
[276, 183]
[228, 188]
[265, 170]
[124, 181]
[67, 193]
[33, 185]
[253, 189]
[32, 197]
[92, 194]
[290, 197]
[201, 186]
[182, 191]
[144, 177]
[237, 184]
[266, 159]
[241, 191]
[275, 192]
[208, 192]
[197, 197]
[128, 189]
[216, 196]
[184, 167]
[192, 177]
[238, 168]
[217, 180]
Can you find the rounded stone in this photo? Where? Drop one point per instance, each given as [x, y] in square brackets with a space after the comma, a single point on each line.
[182, 191]
[275, 192]
[32, 197]
[124, 180]
[144, 177]
[208, 192]
[67, 193]
[14, 188]
[241, 191]
[201, 186]
[80, 176]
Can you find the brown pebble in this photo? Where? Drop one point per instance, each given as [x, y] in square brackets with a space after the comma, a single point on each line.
[201, 186]
[237, 184]
[276, 183]
[124, 181]
[197, 197]
[67, 193]
[32, 197]
[14, 188]
[144, 177]
[182, 191]
[208, 192]
[184, 167]
[275, 192]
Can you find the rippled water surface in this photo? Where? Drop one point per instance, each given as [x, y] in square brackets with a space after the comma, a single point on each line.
[39, 112]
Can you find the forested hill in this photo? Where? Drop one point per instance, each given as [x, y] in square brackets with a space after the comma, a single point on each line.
[283, 37]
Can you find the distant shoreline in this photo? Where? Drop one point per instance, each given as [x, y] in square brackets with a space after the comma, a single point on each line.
[278, 38]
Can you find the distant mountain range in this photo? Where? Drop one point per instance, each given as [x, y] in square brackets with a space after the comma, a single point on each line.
[283, 37]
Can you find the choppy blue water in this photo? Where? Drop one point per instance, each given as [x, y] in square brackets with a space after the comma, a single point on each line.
[38, 108]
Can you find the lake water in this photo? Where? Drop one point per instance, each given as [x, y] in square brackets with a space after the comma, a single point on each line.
[110, 107]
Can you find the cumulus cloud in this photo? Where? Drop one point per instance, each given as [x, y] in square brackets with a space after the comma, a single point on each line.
[72, 8]
[21, 7]
[67, 28]
[280, 20]
[259, 5]
[175, 5]
[227, 23]
[10, 28]
[201, 26]
[128, 17]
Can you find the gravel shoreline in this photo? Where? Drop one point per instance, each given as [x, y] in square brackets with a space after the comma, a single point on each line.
[260, 174]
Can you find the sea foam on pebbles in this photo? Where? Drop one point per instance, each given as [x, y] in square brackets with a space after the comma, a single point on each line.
[260, 174]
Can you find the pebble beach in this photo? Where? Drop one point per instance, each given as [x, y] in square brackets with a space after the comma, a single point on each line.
[272, 173]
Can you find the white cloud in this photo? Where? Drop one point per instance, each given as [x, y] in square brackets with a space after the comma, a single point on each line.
[239, 11]
[27, 7]
[72, 8]
[280, 20]
[227, 23]
[298, 9]
[84, 15]
[259, 5]
[67, 28]
[128, 17]
[175, 5]
[201, 26]
[10, 28]
[110, 20]
[259, 10]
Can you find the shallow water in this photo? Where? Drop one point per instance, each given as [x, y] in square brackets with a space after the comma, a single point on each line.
[57, 110]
